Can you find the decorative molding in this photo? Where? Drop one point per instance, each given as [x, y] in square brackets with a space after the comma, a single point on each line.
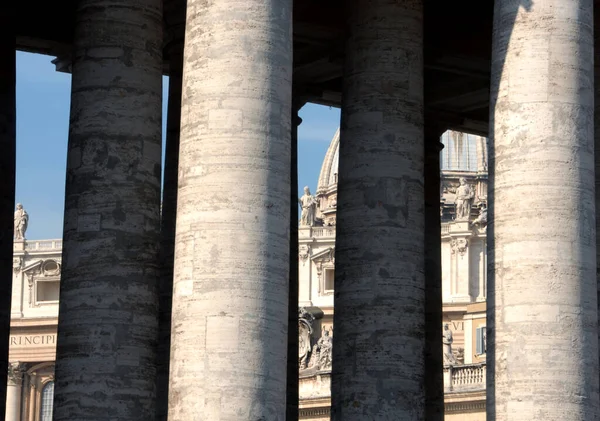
[15, 373]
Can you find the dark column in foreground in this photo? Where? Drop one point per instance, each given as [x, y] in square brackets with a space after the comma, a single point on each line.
[378, 342]
[292, 364]
[167, 230]
[434, 376]
[107, 329]
[7, 191]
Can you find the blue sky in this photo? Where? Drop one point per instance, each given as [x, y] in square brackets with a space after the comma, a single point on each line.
[43, 97]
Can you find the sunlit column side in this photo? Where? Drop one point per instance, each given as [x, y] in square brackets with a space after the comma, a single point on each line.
[230, 300]
[542, 314]
[107, 328]
[378, 341]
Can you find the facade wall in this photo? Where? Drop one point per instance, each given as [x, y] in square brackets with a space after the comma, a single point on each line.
[34, 318]
[464, 274]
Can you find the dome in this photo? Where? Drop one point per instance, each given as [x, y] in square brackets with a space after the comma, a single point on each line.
[329, 170]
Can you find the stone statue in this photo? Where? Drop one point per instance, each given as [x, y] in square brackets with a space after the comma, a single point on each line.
[21, 222]
[305, 320]
[464, 199]
[447, 341]
[308, 204]
[481, 220]
[325, 345]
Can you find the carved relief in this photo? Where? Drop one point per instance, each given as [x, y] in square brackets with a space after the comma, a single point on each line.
[304, 252]
[459, 245]
[17, 264]
[50, 268]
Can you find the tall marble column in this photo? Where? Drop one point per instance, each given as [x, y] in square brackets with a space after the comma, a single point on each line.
[434, 376]
[542, 310]
[378, 342]
[230, 298]
[292, 353]
[167, 229]
[7, 189]
[107, 329]
[14, 392]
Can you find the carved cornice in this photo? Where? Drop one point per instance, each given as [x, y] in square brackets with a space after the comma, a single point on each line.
[461, 407]
[315, 412]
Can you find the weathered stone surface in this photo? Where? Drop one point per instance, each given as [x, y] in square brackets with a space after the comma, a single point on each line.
[378, 352]
[7, 188]
[107, 330]
[434, 379]
[542, 310]
[167, 230]
[230, 298]
[597, 145]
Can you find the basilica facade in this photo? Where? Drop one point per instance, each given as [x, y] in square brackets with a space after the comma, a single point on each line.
[463, 211]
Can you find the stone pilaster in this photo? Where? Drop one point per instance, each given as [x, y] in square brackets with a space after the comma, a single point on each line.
[167, 231]
[14, 391]
[292, 354]
[542, 306]
[434, 379]
[378, 351]
[7, 188]
[107, 329]
[231, 278]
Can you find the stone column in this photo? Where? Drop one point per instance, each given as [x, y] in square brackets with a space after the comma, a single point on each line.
[292, 355]
[107, 329]
[378, 342]
[597, 145]
[542, 311]
[231, 279]
[7, 190]
[434, 379]
[167, 230]
[14, 392]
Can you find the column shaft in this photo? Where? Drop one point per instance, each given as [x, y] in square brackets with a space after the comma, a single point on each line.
[167, 231]
[434, 376]
[378, 351]
[107, 330]
[597, 147]
[292, 355]
[230, 298]
[542, 310]
[7, 188]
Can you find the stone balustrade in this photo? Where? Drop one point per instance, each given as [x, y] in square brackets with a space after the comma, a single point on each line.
[318, 232]
[464, 378]
[43, 245]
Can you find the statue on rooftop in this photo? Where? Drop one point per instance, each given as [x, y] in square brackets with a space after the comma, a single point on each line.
[308, 203]
[21, 221]
[464, 199]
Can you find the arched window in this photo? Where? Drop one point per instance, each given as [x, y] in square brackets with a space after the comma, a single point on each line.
[47, 402]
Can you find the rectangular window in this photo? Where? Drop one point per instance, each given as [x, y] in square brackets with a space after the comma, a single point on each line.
[480, 340]
[47, 291]
[329, 277]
